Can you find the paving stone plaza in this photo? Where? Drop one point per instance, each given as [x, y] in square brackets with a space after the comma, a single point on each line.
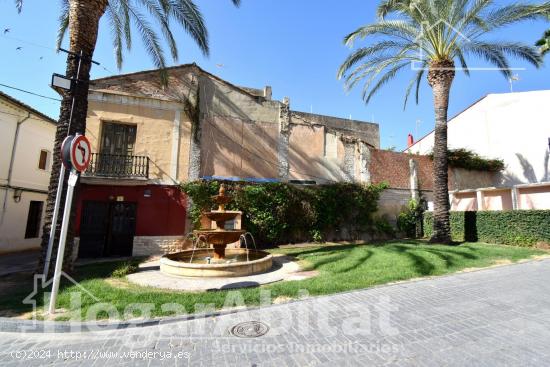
[497, 316]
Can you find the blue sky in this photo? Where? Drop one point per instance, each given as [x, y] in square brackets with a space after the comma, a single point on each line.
[293, 45]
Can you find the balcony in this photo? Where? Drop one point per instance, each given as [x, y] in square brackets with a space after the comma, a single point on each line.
[118, 166]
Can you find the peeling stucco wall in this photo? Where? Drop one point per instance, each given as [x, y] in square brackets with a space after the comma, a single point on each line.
[284, 137]
[349, 161]
[229, 131]
[155, 134]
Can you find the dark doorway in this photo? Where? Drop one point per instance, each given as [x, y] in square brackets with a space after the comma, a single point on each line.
[93, 229]
[107, 229]
[34, 218]
[122, 229]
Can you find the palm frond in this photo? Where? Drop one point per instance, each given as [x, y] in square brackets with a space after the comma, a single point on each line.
[374, 66]
[393, 28]
[492, 54]
[117, 30]
[416, 80]
[466, 16]
[373, 70]
[514, 13]
[462, 60]
[442, 30]
[364, 52]
[189, 16]
[63, 23]
[496, 52]
[389, 75]
[19, 5]
[149, 38]
[387, 7]
[544, 43]
[159, 13]
[123, 7]
[147, 17]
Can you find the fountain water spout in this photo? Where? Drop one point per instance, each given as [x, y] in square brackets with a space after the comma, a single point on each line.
[208, 256]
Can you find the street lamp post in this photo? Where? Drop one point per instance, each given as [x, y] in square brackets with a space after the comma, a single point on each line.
[63, 84]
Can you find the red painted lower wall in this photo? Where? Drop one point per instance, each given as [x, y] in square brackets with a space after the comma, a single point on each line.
[162, 214]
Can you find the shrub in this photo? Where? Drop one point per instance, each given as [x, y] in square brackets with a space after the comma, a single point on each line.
[201, 196]
[518, 227]
[382, 226]
[124, 269]
[317, 236]
[409, 221]
[280, 212]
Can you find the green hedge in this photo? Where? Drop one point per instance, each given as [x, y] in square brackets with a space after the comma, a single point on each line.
[518, 227]
[279, 213]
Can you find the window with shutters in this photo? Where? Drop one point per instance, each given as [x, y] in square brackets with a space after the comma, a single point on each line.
[118, 139]
[44, 160]
[117, 149]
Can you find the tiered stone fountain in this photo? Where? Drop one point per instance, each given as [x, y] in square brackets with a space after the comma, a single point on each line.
[217, 260]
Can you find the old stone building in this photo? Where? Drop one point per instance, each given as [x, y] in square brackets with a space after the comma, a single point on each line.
[147, 139]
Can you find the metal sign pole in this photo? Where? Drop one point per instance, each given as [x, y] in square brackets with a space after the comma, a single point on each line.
[73, 177]
[60, 183]
[54, 221]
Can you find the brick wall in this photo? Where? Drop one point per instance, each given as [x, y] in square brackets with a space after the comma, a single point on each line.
[393, 168]
[159, 245]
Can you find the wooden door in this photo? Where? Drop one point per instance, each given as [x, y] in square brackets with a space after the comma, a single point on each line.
[122, 229]
[117, 148]
[93, 229]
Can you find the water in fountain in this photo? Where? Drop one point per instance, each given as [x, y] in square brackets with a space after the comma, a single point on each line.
[248, 234]
[195, 243]
[214, 260]
[219, 237]
[243, 239]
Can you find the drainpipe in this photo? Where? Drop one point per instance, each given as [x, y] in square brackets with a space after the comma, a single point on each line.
[10, 169]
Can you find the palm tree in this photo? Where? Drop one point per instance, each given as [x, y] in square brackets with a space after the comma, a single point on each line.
[544, 43]
[429, 37]
[81, 18]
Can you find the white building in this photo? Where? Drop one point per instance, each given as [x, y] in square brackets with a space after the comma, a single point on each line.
[26, 143]
[514, 127]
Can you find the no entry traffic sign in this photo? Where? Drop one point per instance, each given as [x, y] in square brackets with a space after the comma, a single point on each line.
[81, 151]
[65, 152]
[76, 152]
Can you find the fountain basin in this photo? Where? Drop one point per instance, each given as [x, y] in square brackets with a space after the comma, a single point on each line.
[234, 265]
[220, 216]
[219, 236]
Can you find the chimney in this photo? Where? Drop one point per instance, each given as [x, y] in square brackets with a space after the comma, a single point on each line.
[410, 141]
[267, 92]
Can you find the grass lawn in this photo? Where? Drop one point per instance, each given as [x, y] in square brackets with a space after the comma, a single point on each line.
[341, 268]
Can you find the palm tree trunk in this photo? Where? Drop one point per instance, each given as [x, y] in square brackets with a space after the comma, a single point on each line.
[440, 78]
[84, 16]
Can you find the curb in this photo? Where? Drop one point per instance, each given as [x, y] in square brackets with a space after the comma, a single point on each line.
[12, 325]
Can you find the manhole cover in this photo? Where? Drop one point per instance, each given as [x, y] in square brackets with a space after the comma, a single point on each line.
[249, 329]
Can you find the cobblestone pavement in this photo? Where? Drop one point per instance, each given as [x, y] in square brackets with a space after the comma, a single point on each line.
[16, 262]
[494, 317]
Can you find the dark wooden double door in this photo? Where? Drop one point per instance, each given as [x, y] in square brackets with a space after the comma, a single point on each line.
[107, 229]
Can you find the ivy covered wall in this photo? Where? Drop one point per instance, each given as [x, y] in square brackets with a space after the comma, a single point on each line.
[278, 213]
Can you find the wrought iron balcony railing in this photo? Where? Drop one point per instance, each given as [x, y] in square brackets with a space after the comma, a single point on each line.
[119, 166]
